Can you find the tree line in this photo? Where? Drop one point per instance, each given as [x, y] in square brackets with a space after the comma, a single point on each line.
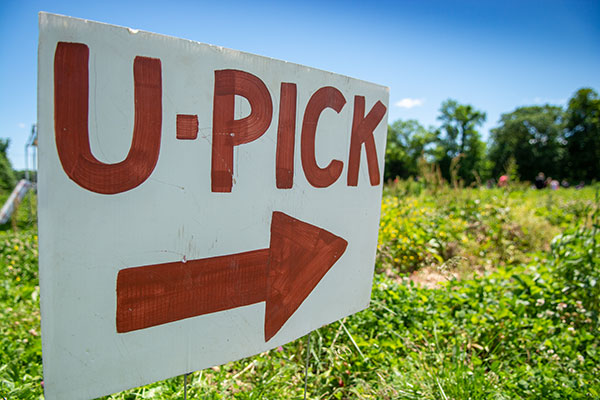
[563, 143]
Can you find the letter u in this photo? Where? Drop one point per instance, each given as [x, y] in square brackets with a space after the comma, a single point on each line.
[71, 98]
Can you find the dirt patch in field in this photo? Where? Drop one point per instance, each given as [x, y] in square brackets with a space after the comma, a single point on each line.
[431, 277]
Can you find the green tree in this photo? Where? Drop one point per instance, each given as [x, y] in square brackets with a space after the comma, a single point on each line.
[458, 136]
[407, 141]
[533, 137]
[7, 175]
[582, 134]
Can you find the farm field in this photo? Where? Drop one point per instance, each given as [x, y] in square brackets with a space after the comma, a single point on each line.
[478, 294]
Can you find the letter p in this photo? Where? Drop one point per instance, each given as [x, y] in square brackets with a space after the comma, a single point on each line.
[229, 132]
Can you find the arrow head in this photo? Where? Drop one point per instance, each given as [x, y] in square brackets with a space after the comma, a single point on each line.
[300, 255]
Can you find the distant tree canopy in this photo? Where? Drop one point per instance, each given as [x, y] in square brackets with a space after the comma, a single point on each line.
[582, 134]
[458, 137]
[532, 136]
[7, 175]
[406, 143]
[561, 143]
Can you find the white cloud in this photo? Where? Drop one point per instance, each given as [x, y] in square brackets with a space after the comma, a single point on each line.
[21, 125]
[409, 103]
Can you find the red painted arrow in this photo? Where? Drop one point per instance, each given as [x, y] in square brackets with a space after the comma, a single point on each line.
[283, 275]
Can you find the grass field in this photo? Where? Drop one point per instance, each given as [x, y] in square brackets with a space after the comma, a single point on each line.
[478, 294]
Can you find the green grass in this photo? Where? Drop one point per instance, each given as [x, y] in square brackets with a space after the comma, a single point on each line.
[20, 344]
[521, 322]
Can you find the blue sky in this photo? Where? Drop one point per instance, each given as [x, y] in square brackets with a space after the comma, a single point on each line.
[495, 55]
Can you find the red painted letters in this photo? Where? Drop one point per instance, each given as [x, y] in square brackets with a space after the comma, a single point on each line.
[71, 98]
[326, 97]
[71, 102]
[362, 133]
[286, 132]
[229, 132]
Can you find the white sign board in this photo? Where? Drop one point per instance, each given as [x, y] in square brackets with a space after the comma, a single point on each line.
[197, 205]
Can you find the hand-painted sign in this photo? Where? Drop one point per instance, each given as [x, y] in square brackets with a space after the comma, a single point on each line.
[197, 205]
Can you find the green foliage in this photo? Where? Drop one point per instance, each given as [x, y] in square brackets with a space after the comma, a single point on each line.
[413, 233]
[472, 228]
[4, 143]
[563, 144]
[407, 142]
[583, 135]
[511, 169]
[22, 174]
[20, 346]
[533, 137]
[25, 216]
[7, 175]
[525, 329]
[576, 263]
[459, 139]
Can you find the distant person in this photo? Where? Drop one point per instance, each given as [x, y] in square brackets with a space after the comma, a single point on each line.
[503, 181]
[540, 181]
[580, 186]
[554, 185]
[564, 183]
